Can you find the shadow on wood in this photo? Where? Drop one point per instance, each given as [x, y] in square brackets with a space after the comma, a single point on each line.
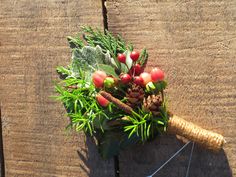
[143, 160]
[93, 164]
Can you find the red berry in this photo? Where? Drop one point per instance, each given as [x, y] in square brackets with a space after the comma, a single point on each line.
[121, 57]
[157, 75]
[98, 81]
[125, 78]
[136, 69]
[102, 101]
[98, 78]
[134, 55]
[102, 74]
[146, 77]
[138, 80]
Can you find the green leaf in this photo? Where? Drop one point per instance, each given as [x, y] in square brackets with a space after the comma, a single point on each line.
[161, 85]
[108, 69]
[160, 122]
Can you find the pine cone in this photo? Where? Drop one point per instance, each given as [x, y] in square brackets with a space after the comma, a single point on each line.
[152, 103]
[135, 95]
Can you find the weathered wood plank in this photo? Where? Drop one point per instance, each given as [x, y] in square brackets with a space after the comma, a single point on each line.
[32, 43]
[195, 43]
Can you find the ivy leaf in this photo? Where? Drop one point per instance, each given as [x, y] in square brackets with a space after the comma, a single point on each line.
[108, 69]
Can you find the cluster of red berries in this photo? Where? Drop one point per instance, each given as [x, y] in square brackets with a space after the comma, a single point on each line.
[136, 75]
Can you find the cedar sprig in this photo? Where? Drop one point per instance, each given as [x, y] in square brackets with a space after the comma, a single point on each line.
[107, 41]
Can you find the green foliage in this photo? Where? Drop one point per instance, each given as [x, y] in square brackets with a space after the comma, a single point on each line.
[160, 86]
[145, 125]
[80, 103]
[75, 42]
[155, 88]
[106, 41]
[108, 69]
[87, 59]
[94, 50]
[110, 45]
[143, 57]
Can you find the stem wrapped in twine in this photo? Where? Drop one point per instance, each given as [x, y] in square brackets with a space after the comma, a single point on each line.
[206, 138]
[179, 126]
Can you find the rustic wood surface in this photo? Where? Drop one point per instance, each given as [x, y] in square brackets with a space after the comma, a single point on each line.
[32, 43]
[195, 43]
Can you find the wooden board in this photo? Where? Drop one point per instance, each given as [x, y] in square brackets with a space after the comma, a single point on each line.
[195, 43]
[32, 43]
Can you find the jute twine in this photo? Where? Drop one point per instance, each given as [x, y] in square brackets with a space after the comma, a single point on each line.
[206, 138]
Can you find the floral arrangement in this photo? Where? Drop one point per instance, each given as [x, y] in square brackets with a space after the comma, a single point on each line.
[109, 95]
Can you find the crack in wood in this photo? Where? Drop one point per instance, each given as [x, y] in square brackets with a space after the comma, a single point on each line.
[2, 163]
[104, 13]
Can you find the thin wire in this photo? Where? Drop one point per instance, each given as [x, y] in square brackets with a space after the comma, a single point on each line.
[169, 159]
[189, 161]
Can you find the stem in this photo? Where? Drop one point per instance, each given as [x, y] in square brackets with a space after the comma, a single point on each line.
[133, 64]
[116, 166]
[127, 66]
[117, 102]
[162, 95]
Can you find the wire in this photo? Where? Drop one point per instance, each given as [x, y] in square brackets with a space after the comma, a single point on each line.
[189, 161]
[169, 159]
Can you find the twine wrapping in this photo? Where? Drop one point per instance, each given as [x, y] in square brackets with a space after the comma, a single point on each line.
[206, 138]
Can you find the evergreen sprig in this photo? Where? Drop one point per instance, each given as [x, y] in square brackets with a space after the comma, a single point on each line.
[145, 124]
[107, 41]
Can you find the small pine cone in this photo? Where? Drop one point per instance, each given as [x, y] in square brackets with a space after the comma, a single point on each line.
[135, 95]
[152, 103]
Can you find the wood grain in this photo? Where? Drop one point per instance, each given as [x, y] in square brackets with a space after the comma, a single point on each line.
[195, 43]
[32, 43]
